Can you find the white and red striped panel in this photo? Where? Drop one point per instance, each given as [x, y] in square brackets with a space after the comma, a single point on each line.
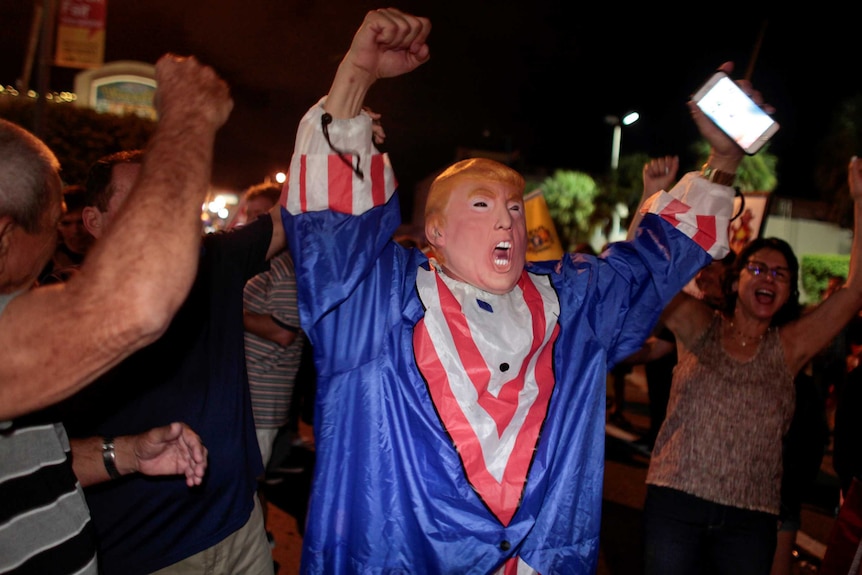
[326, 182]
[698, 208]
[321, 179]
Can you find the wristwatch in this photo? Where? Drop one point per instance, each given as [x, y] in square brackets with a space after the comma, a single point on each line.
[717, 176]
[109, 457]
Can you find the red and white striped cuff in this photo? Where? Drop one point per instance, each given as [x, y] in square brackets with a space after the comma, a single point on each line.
[698, 208]
[327, 182]
[322, 179]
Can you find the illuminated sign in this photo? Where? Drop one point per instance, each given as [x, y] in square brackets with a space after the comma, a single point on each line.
[123, 87]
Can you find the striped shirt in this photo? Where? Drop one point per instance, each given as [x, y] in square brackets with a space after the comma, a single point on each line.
[271, 367]
[44, 521]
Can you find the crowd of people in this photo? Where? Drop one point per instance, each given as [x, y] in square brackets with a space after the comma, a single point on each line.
[460, 411]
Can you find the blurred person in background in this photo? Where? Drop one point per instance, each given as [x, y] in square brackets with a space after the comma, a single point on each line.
[74, 239]
[273, 338]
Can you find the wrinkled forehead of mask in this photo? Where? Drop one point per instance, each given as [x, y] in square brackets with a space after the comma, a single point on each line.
[474, 169]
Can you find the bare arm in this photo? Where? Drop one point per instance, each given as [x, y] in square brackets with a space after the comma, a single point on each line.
[389, 43]
[805, 337]
[278, 241]
[57, 339]
[687, 317]
[724, 155]
[168, 450]
[263, 325]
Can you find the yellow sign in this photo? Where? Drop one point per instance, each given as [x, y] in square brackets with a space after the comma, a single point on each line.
[542, 240]
[81, 34]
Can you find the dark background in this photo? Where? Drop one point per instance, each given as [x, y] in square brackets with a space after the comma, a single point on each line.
[535, 77]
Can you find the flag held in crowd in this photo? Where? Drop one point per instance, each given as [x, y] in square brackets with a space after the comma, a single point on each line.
[542, 240]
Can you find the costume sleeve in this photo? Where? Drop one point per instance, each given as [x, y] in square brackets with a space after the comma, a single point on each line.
[681, 232]
[636, 279]
[320, 178]
[339, 210]
[698, 208]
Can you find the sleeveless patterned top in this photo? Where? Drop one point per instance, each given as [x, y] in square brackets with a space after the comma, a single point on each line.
[726, 418]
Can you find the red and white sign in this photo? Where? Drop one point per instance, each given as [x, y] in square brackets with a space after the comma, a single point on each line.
[81, 33]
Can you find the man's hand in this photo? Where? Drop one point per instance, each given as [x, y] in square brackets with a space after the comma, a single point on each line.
[170, 450]
[187, 88]
[388, 43]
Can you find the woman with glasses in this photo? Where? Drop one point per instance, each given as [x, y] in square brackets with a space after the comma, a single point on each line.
[714, 481]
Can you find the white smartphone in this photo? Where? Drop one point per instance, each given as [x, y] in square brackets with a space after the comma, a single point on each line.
[735, 113]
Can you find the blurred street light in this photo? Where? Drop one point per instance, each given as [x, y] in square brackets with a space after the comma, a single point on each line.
[614, 121]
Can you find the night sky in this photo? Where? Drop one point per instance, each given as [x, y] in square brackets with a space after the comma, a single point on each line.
[538, 77]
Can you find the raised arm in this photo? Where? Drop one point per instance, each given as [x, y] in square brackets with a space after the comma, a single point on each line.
[724, 154]
[687, 316]
[387, 44]
[813, 331]
[58, 338]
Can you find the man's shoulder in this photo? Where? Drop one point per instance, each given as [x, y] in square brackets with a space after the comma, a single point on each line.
[248, 243]
[252, 231]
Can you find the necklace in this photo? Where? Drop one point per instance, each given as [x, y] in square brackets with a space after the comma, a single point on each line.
[743, 339]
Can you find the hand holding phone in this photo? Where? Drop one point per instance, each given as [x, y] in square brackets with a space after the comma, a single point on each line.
[732, 110]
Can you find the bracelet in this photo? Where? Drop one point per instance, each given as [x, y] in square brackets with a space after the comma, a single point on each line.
[109, 456]
[717, 176]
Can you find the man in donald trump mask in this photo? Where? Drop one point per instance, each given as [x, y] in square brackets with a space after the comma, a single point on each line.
[460, 399]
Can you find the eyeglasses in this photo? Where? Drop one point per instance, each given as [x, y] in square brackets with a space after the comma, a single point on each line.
[779, 274]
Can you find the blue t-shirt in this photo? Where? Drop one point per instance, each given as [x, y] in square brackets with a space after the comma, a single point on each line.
[196, 374]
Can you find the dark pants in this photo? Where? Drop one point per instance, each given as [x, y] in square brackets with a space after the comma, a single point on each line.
[686, 535]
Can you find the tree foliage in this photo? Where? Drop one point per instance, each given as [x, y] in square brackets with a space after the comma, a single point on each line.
[571, 199]
[816, 269]
[77, 136]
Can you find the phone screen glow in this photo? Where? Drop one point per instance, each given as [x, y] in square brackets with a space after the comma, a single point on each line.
[735, 113]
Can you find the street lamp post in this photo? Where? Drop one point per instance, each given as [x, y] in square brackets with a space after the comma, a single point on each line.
[618, 124]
